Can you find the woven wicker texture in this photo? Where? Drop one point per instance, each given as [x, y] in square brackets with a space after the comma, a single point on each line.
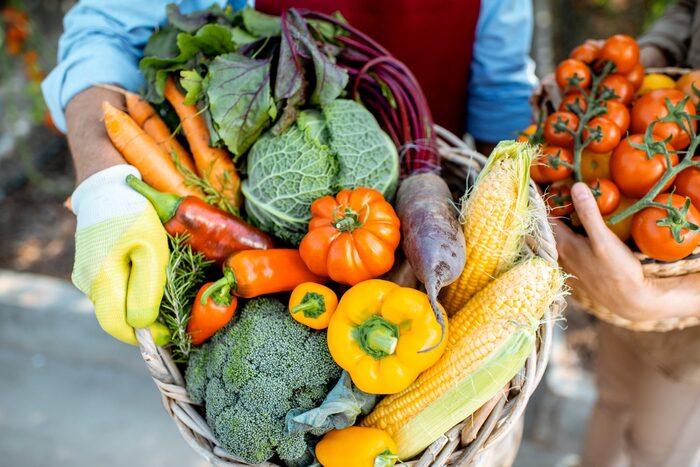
[546, 99]
[460, 446]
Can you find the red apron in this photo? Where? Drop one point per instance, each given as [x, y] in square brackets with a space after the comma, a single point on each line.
[433, 37]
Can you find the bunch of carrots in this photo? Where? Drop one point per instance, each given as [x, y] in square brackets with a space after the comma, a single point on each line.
[146, 142]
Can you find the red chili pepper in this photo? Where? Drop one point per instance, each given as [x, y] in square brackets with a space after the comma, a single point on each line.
[213, 308]
[214, 233]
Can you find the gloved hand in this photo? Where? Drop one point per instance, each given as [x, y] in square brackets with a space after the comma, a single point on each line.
[121, 254]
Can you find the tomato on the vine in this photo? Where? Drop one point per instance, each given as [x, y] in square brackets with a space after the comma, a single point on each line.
[607, 195]
[688, 184]
[536, 171]
[657, 241]
[633, 172]
[652, 106]
[618, 113]
[588, 52]
[636, 76]
[558, 137]
[686, 82]
[622, 50]
[623, 228]
[567, 70]
[608, 137]
[594, 165]
[559, 201]
[556, 163]
[571, 100]
[623, 89]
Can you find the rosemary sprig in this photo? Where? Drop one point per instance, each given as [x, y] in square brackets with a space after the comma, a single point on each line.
[184, 273]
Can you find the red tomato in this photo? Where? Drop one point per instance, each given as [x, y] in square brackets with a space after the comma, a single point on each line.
[551, 166]
[536, 172]
[636, 76]
[607, 195]
[557, 137]
[624, 91]
[529, 135]
[633, 172]
[688, 184]
[619, 114]
[588, 52]
[571, 100]
[608, 138]
[570, 68]
[652, 106]
[559, 201]
[656, 240]
[622, 50]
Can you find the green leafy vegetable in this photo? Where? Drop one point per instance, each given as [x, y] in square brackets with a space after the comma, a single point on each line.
[240, 100]
[259, 24]
[208, 41]
[366, 155]
[286, 174]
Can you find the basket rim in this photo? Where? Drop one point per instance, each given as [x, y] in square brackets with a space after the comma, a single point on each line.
[504, 416]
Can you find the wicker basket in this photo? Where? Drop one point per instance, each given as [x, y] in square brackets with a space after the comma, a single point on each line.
[475, 438]
[546, 100]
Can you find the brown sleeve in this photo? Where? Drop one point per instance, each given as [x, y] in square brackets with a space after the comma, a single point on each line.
[671, 33]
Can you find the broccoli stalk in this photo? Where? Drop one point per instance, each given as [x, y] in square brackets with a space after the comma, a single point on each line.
[252, 373]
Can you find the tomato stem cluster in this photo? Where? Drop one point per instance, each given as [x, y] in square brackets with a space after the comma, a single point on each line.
[595, 107]
[652, 147]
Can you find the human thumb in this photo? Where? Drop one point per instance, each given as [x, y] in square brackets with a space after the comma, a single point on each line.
[588, 213]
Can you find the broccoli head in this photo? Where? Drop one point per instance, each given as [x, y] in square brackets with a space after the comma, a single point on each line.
[251, 373]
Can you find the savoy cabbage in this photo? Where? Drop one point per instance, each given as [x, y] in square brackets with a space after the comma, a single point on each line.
[322, 153]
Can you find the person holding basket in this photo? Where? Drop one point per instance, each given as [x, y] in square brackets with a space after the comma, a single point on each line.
[648, 383]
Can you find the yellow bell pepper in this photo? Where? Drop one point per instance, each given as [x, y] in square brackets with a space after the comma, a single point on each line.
[357, 447]
[384, 336]
[313, 304]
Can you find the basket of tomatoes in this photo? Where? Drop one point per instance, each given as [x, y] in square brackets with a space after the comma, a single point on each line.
[631, 134]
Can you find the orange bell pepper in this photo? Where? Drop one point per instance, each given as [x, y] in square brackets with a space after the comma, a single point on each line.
[351, 237]
[313, 305]
[384, 336]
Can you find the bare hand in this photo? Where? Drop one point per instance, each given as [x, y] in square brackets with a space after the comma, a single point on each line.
[604, 267]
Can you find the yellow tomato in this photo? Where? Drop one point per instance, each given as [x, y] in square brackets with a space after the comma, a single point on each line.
[685, 84]
[623, 228]
[595, 165]
[656, 81]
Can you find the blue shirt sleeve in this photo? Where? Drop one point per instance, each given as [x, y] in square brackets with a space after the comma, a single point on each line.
[502, 74]
[103, 42]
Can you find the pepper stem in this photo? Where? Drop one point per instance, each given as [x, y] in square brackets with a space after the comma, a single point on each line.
[378, 337]
[220, 291]
[349, 220]
[165, 204]
[312, 305]
[385, 459]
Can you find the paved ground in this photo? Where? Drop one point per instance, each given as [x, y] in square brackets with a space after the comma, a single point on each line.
[74, 397]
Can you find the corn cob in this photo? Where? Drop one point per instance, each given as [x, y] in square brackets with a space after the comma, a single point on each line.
[494, 216]
[492, 348]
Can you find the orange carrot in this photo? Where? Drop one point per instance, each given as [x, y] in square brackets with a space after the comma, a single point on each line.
[140, 150]
[145, 116]
[213, 164]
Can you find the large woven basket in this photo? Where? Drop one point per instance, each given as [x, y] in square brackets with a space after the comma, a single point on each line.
[546, 100]
[463, 445]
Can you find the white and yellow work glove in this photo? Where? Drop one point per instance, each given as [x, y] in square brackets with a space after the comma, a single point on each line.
[121, 254]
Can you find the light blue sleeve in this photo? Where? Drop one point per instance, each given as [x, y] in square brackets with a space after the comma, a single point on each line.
[102, 42]
[502, 74]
